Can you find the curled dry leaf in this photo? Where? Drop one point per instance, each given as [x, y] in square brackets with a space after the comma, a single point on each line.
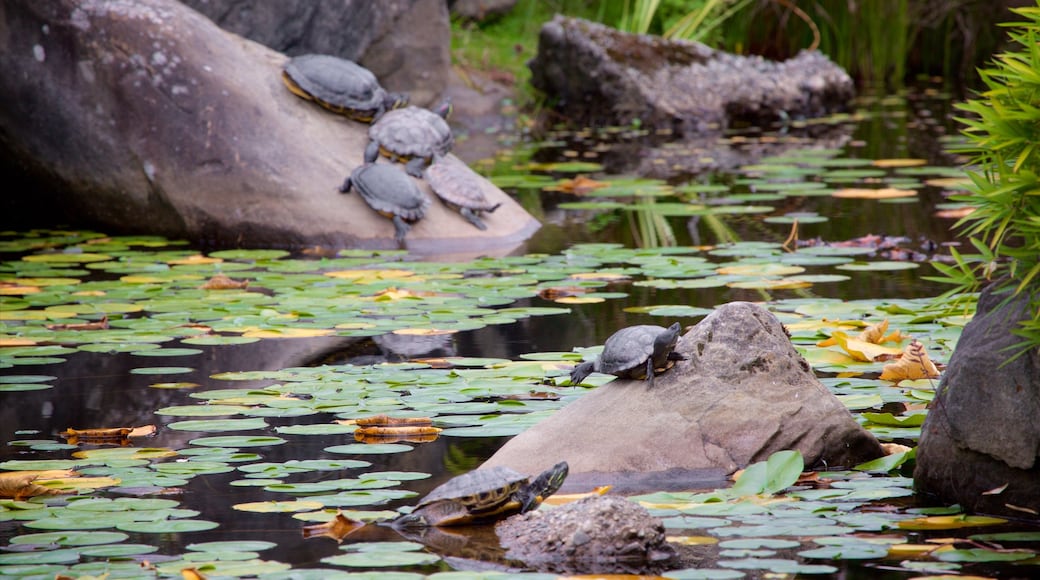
[337, 528]
[893, 448]
[913, 364]
[20, 484]
[405, 431]
[875, 333]
[379, 439]
[97, 325]
[557, 292]
[222, 282]
[580, 185]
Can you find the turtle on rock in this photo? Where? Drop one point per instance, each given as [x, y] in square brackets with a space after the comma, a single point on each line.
[483, 495]
[413, 135]
[389, 191]
[635, 352]
[340, 86]
[460, 189]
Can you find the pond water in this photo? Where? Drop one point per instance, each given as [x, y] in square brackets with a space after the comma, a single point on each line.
[245, 385]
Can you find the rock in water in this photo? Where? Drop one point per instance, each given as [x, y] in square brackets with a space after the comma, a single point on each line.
[598, 75]
[981, 432]
[599, 534]
[743, 393]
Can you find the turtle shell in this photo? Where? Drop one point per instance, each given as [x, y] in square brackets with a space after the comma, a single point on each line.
[389, 191]
[626, 351]
[337, 84]
[457, 185]
[482, 490]
[412, 132]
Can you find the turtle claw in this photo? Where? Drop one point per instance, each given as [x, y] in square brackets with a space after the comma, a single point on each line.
[415, 167]
[471, 216]
[347, 184]
[372, 152]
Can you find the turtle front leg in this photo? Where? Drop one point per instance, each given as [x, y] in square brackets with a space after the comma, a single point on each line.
[650, 372]
[347, 184]
[372, 152]
[415, 167]
[401, 228]
[472, 217]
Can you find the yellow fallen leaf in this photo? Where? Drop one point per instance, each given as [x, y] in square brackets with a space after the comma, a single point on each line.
[563, 498]
[71, 484]
[949, 522]
[368, 276]
[608, 276]
[913, 364]
[195, 259]
[867, 193]
[886, 163]
[860, 350]
[902, 551]
[286, 332]
[223, 282]
[424, 331]
[949, 182]
[579, 300]
[12, 341]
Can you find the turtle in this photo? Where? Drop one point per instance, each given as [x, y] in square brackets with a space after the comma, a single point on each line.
[389, 191]
[340, 86]
[459, 189]
[483, 495]
[634, 352]
[413, 135]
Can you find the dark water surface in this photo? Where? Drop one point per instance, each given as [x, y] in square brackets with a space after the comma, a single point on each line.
[93, 390]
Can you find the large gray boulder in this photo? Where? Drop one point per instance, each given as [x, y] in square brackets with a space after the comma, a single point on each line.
[980, 442]
[743, 393]
[406, 43]
[597, 75]
[146, 117]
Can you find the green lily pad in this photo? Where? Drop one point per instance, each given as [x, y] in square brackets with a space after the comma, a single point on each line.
[238, 441]
[368, 449]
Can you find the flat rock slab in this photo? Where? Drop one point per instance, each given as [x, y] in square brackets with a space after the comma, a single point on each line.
[743, 393]
[980, 443]
[146, 117]
[597, 75]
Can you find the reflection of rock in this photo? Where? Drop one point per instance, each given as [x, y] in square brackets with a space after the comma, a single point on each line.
[408, 346]
[599, 534]
[598, 75]
[743, 393]
[406, 44]
[981, 433]
[146, 117]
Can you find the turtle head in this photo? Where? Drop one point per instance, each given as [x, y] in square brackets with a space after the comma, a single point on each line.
[444, 109]
[546, 484]
[412, 520]
[666, 341]
[395, 101]
[581, 371]
[549, 481]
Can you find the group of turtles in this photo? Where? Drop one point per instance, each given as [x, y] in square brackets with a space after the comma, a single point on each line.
[418, 137]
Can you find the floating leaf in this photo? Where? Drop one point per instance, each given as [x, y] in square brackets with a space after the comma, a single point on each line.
[860, 350]
[912, 364]
[883, 193]
[949, 522]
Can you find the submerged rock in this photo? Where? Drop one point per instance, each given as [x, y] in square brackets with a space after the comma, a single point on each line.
[980, 442]
[743, 393]
[599, 534]
[146, 117]
[597, 75]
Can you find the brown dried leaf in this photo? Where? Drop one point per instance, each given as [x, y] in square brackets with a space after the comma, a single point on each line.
[387, 420]
[913, 364]
[405, 431]
[106, 435]
[336, 528]
[98, 325]
[562, 498]
[222, 282]
[19, 485]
